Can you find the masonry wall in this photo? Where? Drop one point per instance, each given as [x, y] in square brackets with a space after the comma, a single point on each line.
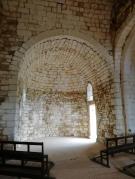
[43, 113]
[8, 75]
[85, 16]
[106, 121]
[24, 20]
[128, 84]
[129, 95]
[52, 114]
[122, 26]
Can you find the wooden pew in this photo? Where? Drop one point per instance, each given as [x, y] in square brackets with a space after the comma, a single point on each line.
[18, 162]
[115, 145]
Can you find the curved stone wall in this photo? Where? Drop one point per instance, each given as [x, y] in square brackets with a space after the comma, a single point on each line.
[54, 74]
[23, 22]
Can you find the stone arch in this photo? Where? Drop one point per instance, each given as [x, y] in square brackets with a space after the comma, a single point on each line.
[120, 40]
[87, 39]
[104, 68]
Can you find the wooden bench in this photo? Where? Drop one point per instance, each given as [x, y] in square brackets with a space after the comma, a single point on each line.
[115, 145]
[19, 162]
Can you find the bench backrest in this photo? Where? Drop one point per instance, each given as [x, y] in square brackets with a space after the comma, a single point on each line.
[14, 156]
[117, 141]
[13, 145]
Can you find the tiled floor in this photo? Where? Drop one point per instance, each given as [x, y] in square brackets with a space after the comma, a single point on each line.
[71, 158]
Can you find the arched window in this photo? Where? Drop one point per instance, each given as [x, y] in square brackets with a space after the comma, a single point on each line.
[24, 95]
[89, 92]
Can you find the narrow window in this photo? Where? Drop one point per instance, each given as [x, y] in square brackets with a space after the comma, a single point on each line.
[92, 113]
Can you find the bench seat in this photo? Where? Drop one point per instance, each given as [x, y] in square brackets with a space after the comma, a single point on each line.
[121, 148]
[15, 161]
[29, 172]
[115, 145]
[21, 155]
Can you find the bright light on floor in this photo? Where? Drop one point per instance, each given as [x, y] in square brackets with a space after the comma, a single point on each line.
[62, 148]
[81, 140]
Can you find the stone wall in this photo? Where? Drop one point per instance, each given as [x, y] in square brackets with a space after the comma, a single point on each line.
[58, 113]
[67, 69]
[52, 114]
[125, 29]
[106, 121]
[128, 82]
[87, 16]
[24, 20]
[120, 11]
[7, 73]
[129, 95]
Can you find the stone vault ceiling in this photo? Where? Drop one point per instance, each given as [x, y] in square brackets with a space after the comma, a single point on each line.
[60, 64]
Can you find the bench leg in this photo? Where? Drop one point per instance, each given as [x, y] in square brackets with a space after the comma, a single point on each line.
[101, 157]
[107, 160]
[104, 156]
[47, 172]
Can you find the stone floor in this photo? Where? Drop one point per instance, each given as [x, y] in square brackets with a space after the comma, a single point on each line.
[83, 168]
[64, 148]
[71, 158]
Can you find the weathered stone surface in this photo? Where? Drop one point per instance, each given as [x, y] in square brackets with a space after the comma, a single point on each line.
[63, 65]
[57, 65]
[52, 114]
